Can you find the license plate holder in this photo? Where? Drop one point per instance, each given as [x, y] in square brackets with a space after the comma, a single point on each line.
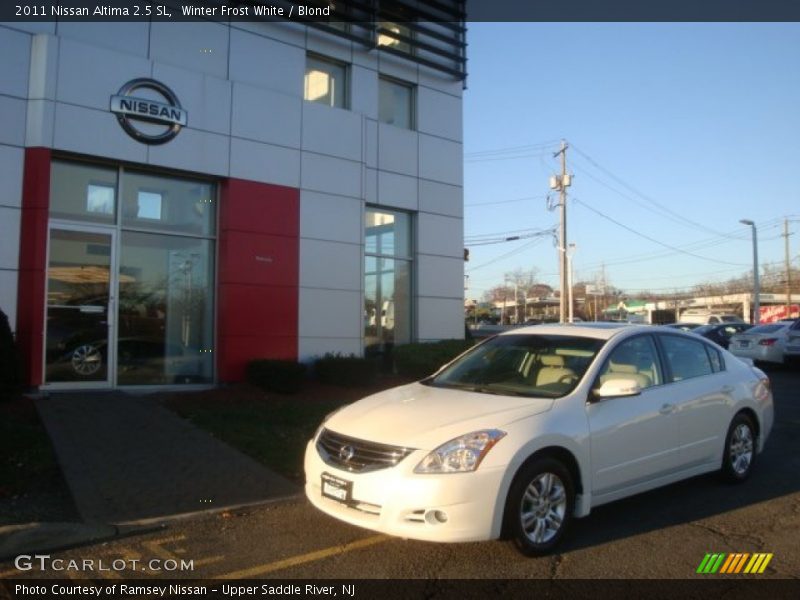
[337, 489]
[744, 344]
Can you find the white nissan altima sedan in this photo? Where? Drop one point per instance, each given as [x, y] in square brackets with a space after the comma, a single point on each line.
[536, 426]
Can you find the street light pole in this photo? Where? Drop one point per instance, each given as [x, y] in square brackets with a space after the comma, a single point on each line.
[570, 282]
[756, 284]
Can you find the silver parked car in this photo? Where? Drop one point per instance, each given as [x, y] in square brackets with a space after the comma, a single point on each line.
[764, 343]
[791, 351]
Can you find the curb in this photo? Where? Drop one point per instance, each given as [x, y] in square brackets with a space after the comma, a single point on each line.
[32, 538]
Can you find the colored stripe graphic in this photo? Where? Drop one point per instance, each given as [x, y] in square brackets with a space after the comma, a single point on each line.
[734, 563]
[711, 563]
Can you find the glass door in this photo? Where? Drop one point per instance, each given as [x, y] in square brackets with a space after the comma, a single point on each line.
[80, 311]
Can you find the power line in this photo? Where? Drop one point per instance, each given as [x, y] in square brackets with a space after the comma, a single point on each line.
[507, 254]
[686, 221]
[655, 241]
[542, 197]
[512, 149]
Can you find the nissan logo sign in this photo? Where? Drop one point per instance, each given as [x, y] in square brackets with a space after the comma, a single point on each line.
[132, 110]
[346, 453]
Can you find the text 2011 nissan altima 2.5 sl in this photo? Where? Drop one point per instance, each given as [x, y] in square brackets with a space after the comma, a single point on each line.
[536, 426]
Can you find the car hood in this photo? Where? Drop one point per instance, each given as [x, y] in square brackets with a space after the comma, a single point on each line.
[422, 416]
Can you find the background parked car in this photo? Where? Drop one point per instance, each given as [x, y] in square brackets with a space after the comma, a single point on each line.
[706, 317]
[791, 352]
[683, 326]
[721, 333]
[763, 343]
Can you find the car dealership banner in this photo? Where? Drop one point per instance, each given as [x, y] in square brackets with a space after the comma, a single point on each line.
[770, 314]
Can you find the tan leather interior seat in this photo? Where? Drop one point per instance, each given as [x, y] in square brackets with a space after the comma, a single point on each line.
[552, 370]
[627, 372]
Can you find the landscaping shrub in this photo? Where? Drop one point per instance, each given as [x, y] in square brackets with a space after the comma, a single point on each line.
[350, 371]
[423, 359]
[282, 376]
[10, 376]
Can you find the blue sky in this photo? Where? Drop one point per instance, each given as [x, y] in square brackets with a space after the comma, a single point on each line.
[702, 119]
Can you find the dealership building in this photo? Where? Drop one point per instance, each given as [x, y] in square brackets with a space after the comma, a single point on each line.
[179, 198]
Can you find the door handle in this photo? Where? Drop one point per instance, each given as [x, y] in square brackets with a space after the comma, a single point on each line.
[666, 408]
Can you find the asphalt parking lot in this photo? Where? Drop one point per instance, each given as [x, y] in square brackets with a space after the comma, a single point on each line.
[661, 534]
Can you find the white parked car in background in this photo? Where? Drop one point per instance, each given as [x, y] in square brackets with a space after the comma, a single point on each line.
[536, 426]
[765, 343]
[791, 351]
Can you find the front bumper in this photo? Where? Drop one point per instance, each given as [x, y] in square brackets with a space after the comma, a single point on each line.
[396, 501]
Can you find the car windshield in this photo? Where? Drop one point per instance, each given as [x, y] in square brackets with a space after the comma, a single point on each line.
[522, 365]
[730, 319]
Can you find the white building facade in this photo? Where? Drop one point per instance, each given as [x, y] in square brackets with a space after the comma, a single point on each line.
[177, 199]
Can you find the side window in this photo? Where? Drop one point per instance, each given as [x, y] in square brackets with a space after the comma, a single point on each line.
[715, 357]
[633, 359]
[713, 320]
[325, 82]
[686, 358]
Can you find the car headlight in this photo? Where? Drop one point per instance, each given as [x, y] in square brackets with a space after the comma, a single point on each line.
[462, 454]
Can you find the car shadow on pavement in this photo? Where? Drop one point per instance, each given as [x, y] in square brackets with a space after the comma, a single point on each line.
[776, 474]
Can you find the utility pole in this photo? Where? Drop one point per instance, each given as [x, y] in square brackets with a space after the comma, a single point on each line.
[561, 183]
[788, 269]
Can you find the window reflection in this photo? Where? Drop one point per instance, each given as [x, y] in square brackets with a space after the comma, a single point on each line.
[326, 82]
[168, 203]
[83, 192]
[387, 280]
[395, 103]
[165, 310]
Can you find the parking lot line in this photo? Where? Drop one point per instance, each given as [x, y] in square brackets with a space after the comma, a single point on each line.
[157, 548]
[303, 558]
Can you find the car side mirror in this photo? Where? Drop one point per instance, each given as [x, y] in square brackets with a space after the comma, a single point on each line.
[617, 388]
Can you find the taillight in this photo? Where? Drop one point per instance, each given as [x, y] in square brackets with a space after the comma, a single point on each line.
[768, 342]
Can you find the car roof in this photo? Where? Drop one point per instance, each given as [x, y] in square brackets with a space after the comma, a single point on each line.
[597, 330]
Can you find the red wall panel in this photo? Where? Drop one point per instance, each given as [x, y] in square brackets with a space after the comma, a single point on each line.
[259, 249]
[33, 262]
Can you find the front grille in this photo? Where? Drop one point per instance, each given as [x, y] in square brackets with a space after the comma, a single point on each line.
[356, 455]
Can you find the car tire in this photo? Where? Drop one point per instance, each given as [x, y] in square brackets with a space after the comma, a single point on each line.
[740, 449]
[539, 506]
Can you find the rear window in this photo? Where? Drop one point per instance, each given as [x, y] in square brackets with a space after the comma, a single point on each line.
[730, 319]
[771, 328]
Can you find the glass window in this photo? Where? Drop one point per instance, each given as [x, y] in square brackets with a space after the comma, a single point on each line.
[78, 284]
[686, 358]
[83, 192]
[522, 365]
[395, 103]
[168, 204]
[634, 359]
[715, 357]
[166, 292]
[387, 279]
[326, 82]
[100, 199]
[394, 35]
[164, 324]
